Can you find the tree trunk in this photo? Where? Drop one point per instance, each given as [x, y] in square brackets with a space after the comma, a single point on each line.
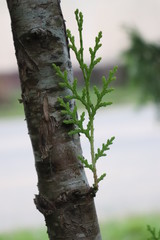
[65, 198]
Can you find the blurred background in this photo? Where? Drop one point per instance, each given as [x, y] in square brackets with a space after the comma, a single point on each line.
[129, 196]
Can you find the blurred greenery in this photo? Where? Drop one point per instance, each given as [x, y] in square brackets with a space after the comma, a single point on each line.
[121, 95]
[142, 61]
[36, 234]
[12, 107]
[134, 228]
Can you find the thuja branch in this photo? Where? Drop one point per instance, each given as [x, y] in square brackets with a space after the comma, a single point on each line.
[154, 235]
[85, 97]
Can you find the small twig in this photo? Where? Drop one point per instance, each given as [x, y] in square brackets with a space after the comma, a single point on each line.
[85, 98]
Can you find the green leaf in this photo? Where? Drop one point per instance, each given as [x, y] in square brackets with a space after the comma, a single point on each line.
[60, 100]
[105, 147]
[109, 90]
[104, 104]
[97, 61]
[75, 112]
[83, 93]
[70, 97]
[104, 80]
[75, 85]
[64, 112]
[101, 177]
[91, 51]
[62, 84]
[85, 163]
[75, 131]
[70, 121]
[96, 91]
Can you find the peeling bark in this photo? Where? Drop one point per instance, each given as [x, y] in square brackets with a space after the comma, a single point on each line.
[65, 198]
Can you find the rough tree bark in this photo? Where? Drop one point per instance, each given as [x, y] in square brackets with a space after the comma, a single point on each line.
[65, 198]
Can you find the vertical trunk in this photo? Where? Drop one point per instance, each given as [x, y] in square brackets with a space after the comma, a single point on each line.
[65, 198]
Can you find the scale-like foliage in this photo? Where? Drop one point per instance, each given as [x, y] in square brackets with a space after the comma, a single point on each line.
[154, 235]
[85, 97]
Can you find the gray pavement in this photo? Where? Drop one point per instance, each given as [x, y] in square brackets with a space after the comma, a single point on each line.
[132, 166]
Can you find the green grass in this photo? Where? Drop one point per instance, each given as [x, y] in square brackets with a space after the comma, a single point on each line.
[130, 229]
[134, 228]
[121, 95]
[12, 108]
[37, 234]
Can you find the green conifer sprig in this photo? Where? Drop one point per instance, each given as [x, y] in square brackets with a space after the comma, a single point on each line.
[154, 235]
[85, 97]
[105, 147]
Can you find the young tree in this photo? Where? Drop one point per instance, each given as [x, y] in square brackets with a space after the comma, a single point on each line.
[65, 198]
